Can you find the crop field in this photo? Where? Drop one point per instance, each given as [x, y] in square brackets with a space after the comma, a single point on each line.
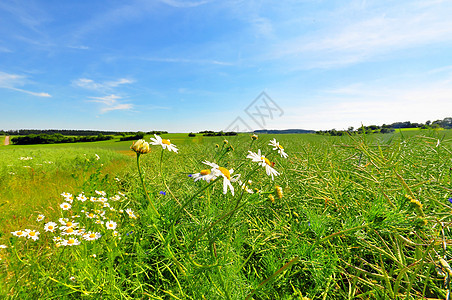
[269, 217]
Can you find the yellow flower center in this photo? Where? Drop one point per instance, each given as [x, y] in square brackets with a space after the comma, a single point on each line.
[50, 227]
[71, 241]
[111, 225]
[69, 230]
[32, 233]
[166, 142]
[205, 172]
[91, 215]
[92, 235]
[266, 161]
[225, 172]
[280, 147]
[20, 233]
[69, 224]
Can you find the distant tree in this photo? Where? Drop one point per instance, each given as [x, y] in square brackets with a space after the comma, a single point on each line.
[191, 134]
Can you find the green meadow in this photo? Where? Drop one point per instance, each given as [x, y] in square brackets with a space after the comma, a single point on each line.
[350, 217]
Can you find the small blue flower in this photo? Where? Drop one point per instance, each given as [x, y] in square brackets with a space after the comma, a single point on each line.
[190, 175]
[450, 200]
[162, 193]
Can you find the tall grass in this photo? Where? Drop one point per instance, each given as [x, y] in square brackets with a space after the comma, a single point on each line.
[361, 217]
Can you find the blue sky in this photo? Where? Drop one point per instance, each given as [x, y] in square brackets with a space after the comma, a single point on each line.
[186, 66]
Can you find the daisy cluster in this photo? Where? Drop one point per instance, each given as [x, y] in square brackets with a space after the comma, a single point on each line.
[215, 171]
[84, 219]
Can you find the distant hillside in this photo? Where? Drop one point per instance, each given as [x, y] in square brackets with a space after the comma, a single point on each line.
[274, 131]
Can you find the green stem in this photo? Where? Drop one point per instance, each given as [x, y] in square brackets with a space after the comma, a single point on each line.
[144, 186]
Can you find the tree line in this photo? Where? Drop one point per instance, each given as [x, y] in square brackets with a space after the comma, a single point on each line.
[446, 123]
[56, 138]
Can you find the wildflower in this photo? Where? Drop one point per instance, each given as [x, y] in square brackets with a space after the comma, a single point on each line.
[65, 206]
[72, 278]
[99, 222]
[66, 195]
[164, 143]
[162, 193]
[63, 221]
[115, 198]
[450, 200]
[111, 225]
[57, 239]
[116, 234]
[93, 255]
[101, 193]
[50, 226]
[32, 234]
[245, 187]
[264, 162]
[254, 137]
[279, 191]
[91, 236]
[272, 199]
[70, 242]
[277, 146]
[68, 231]
[140, 147]
[218, 171]
[19, 233]
[40, 218]
[3, 246]
[102, 199]
[131, 214]
[206, 175]
[97, 156]
[82, 198]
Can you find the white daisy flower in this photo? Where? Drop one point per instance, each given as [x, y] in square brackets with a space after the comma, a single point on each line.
[101, 193]
[68, 230]
[166, 144]
[32, 234]
[245, 187]
[97, 156]
[218, 171]
[206, 175]
[65, 194]
[19, 233]
[63, 221]
[65, 206]
[3, 246]
[91, 236]
[70, 242]
[121, 194]
[102, 199]
[99, 222]
[277, 146]
[264, 162]
[50, 226]
[91, 215]
[40, 218]
[111, 225]
[140, 147]
[116, 234]
[93, 199]
[115, 198]
[131, 214]
[57, 239]
[82, 198]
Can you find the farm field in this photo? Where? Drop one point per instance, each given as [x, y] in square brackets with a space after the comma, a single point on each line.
[351, 217]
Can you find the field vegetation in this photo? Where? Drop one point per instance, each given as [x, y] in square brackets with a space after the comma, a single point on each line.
[309, 217]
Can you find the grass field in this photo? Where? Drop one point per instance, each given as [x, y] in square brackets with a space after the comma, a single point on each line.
[360, 217]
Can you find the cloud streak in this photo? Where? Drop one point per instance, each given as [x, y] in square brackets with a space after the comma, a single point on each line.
[111, 103]
[100, 86]
[11, 81]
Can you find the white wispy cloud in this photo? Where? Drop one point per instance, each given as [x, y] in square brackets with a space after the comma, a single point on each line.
[188, 61]
[100, 86]
[12, 81]
[354, 34]
[110, 103]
